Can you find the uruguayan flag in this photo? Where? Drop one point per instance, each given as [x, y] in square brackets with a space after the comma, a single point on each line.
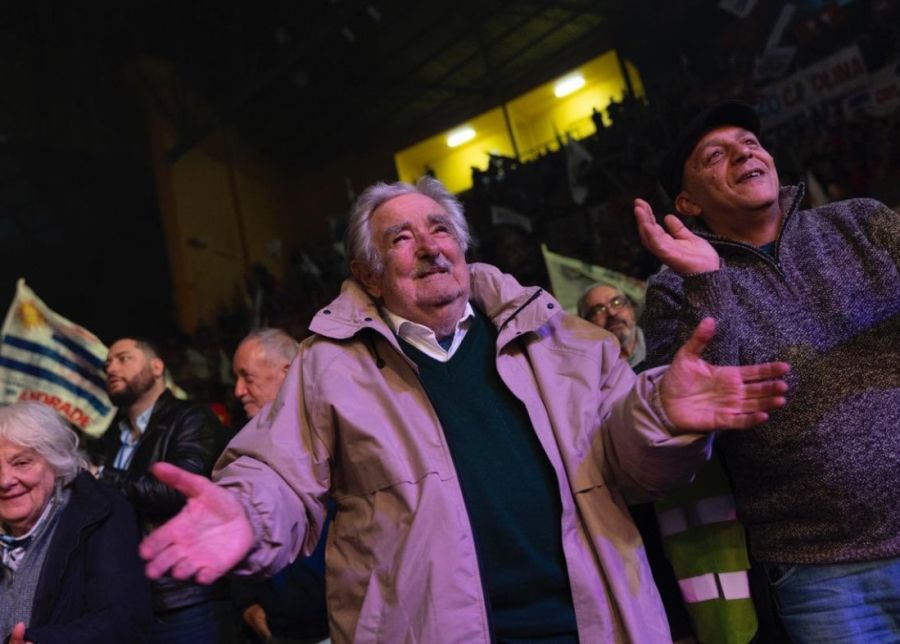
[47, 358]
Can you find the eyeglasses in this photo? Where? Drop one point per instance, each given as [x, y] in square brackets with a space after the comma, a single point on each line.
[605, 309]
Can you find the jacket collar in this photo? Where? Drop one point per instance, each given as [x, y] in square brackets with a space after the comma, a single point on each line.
[86, 507]
[163, 401]
[512, 308]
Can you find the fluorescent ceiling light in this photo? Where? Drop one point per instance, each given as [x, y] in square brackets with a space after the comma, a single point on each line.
[460, 136]
[568, 85]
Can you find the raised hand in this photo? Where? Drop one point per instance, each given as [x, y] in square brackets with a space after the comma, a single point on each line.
[698, 396]
[679, 248]
[206, 539]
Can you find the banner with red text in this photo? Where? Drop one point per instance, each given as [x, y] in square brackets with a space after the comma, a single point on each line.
[47, 358]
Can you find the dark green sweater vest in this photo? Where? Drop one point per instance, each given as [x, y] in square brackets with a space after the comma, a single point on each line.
[510, 490]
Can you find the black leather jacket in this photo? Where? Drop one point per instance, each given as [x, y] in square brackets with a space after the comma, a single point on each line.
[185, 434]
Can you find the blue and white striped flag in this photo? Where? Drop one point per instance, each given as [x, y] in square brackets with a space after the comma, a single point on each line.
[47, 358]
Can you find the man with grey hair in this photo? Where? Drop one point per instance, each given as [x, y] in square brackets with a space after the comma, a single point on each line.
[260, 365]
[609, 308]
[290, 607]
[478, 442]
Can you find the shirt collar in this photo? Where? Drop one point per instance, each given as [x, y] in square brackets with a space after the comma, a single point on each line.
[422, 337]
[140, 422]
[407, 328]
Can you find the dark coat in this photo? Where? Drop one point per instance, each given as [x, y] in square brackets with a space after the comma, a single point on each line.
[185, 434]
[92, 587]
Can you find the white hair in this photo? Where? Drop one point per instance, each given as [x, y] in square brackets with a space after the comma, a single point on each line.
[276, 343]
[36, 426]
[359, 244]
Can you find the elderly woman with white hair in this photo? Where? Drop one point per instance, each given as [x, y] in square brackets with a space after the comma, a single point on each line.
[69, 569]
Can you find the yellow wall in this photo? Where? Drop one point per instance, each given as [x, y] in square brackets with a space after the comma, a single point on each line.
[222, 207]
[453, 166]
[537, 117]
[221, 210]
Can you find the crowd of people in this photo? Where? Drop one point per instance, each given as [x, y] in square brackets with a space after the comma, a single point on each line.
[451, 457]
[440, 453]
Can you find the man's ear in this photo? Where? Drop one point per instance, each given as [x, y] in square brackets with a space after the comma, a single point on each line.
[367, 277]
[687, 206]
[157, 367]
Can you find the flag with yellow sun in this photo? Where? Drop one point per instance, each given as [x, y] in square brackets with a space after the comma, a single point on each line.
[45, 357]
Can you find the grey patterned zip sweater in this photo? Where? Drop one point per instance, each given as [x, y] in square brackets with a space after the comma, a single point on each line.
[820, 481]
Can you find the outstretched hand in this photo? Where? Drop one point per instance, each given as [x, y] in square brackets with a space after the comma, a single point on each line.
[676, 246]
[698, 396]
[17, 635]
[206, 539]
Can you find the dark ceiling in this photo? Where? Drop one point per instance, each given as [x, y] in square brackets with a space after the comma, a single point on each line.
[312, 79]
[303, 81]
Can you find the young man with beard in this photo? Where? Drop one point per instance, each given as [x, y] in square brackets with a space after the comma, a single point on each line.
[153, 426]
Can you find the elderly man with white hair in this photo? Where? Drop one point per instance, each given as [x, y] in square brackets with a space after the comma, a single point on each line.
[69, 570]
[260, 365]
[290, 607]
[478, 442]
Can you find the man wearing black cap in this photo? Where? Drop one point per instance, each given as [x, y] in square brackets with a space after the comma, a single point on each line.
[817, 486]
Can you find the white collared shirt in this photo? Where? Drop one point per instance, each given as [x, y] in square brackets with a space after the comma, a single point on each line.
[129, 440]
[424, 339]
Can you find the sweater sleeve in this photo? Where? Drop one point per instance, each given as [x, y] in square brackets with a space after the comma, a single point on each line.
[883, 228]
[676, 304]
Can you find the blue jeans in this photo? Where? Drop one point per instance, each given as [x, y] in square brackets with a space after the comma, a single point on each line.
[846, 603]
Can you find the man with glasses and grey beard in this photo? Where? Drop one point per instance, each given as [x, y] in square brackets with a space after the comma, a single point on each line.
[609, 308]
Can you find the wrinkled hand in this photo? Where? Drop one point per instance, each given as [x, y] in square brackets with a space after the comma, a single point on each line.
[699, 397]
[17, 635]
[206, 539]
[679, 248]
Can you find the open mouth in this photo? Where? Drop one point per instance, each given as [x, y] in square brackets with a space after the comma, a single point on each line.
[748, 176]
